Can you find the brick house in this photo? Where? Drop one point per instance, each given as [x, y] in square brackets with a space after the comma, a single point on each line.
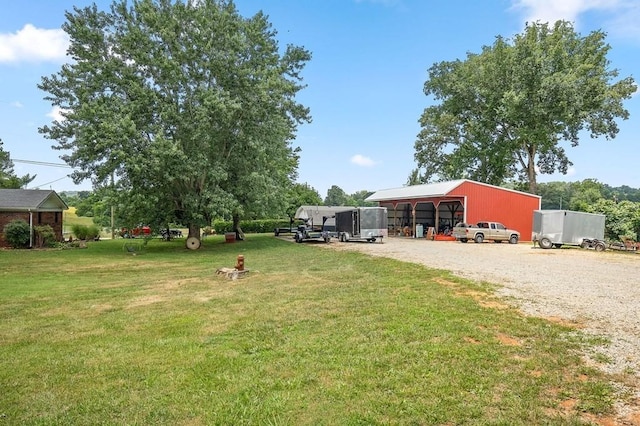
[34, 206]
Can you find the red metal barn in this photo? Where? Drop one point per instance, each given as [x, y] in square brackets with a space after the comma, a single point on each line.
[437, 207]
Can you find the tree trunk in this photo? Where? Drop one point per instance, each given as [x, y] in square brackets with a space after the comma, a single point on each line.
[194, 231]
[236, 227]
[531, 171]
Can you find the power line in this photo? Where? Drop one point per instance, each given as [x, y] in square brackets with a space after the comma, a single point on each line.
[42, 163]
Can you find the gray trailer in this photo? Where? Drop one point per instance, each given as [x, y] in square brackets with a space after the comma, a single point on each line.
[362, 224]
[555, 228]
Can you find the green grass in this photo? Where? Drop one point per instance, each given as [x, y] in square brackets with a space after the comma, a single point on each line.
[310, 336]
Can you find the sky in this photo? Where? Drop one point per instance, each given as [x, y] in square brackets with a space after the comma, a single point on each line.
[364, 81]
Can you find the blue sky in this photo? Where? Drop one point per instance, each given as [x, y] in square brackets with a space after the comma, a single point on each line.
[370, 61]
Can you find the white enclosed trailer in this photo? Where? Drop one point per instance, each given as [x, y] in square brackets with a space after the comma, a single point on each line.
[555, 228]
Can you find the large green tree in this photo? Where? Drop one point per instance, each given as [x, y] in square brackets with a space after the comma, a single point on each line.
[510, 111]
[8, 178]
[185, 109]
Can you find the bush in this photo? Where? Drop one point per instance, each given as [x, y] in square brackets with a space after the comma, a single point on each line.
[17, 233]
[44, 236]
[93, 232]
[83, 232]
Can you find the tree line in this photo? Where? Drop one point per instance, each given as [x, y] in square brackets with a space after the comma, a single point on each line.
[185, 111]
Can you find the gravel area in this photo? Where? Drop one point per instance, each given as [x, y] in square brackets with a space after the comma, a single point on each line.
[598, 291]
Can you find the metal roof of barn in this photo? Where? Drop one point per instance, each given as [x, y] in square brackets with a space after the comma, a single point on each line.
[429, 190]
[30, 200]
[438, 189]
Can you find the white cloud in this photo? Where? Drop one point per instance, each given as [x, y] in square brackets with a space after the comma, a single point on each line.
[361, 160]
[31, 44]
[617, 17]
[553, 10]
[17, 104]
[56, 114]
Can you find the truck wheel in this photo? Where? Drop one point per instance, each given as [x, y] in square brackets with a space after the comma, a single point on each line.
[298, 237]
[327, 239]
[463, 240]
[600, 246]
[585, 244]
[513, 239]
[545, 243]
[557, 245]
[479, 238]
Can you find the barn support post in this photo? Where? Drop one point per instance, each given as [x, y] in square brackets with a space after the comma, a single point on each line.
[437, 219]
[413, 216]
[395, 218]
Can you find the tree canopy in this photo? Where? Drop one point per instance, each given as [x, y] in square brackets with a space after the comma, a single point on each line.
[509, 112]
[8, 178]
[185, 109]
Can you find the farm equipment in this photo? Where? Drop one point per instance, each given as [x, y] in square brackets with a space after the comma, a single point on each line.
[362, 224]
[319, 223]
[555, 228]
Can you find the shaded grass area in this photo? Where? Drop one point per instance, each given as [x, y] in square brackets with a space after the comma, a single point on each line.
[310, 336]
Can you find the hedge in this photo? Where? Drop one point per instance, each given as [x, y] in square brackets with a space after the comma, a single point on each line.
[252, 226]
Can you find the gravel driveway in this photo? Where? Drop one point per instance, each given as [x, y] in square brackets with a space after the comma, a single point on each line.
[600, 291]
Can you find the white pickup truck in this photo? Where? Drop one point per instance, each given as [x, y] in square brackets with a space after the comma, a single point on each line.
[485, 231]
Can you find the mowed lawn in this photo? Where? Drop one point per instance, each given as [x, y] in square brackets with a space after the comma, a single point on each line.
[311, 336]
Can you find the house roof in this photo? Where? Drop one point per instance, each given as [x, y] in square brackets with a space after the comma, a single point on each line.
[438, 189]
[30, 200]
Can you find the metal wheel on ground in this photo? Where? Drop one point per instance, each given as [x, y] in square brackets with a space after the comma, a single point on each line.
[479, 238]
[513, 239]
[545, 243]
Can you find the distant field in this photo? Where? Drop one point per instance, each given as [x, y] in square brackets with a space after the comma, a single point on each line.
[70, 218]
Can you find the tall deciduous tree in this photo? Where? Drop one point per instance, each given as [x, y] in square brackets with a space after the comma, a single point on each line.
[8, 178]
[509, 111]
[184, 107]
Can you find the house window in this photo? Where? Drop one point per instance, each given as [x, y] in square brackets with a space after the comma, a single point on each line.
[39, 218]
[55, 217]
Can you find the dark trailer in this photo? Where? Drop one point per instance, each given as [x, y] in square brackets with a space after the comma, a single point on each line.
[362, 224]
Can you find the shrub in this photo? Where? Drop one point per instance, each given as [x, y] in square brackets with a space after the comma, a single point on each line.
[44, 236]
[81, 232]
[93, 232]
[17, 233]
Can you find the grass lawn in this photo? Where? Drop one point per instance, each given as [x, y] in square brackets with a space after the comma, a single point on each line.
[310, 336]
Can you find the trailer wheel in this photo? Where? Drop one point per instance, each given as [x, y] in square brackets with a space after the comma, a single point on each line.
[545, 243]
[327, 239]
[479, 238]
[298, 237]
[600, 246]
[372, 240]
[557, 245]
[513, 239]
[585, 244]
[463, 240]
